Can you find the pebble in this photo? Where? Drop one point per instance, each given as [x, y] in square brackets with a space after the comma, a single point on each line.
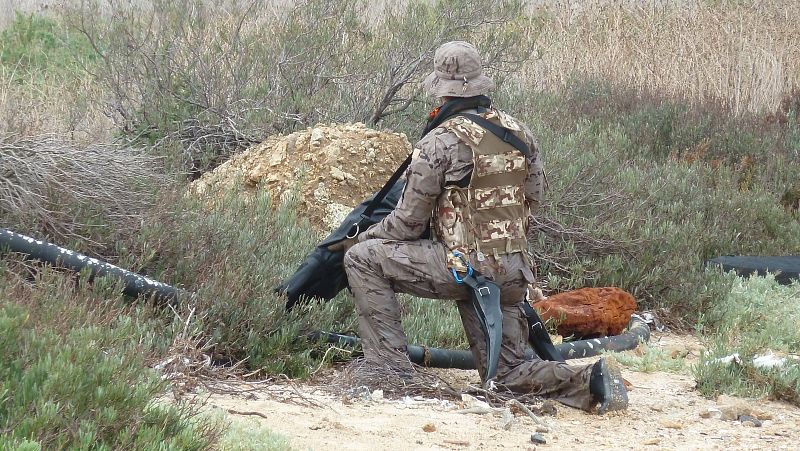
[316, 136]
[539, 439]
[748, 420]
[671, 424]
[711, 412]
[507, 420]
[542, 429]
[429, 427]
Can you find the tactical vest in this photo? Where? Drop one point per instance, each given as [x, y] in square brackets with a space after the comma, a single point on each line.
[490, 214]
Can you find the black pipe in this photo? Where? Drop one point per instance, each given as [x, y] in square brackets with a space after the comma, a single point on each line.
[135, 284]
[638, 331]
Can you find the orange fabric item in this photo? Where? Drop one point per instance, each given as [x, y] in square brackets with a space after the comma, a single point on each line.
[588, 312]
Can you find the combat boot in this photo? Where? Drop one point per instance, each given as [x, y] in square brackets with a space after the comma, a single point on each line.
[607, 386]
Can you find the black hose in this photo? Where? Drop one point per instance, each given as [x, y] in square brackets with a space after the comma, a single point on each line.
[135, 284]
[638, 331]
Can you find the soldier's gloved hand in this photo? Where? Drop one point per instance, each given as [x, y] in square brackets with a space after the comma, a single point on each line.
[343, 246]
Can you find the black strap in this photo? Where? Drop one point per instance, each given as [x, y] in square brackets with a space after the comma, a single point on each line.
[501, 132]
[538, 337]
[451, 108]
[385, 189]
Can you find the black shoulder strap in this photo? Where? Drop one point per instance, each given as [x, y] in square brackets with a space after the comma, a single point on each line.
[378, 198]
[501, 132]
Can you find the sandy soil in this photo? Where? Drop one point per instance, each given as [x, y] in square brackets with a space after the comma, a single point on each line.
[665, 412]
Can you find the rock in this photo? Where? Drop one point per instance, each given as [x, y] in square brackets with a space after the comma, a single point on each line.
[548, 408]
[506, 419]
[471, 401]
[377, 395]
[589, 312]
[338, 174]
[429, 427]
[538, 439]
[300, 161]
[748, 420]
[542, 429]
[317, 135]
[711, 412]
[761, 414]
[652, 441]
[671, 424]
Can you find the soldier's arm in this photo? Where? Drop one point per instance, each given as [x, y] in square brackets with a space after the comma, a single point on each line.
[424, 182]
[535, 180]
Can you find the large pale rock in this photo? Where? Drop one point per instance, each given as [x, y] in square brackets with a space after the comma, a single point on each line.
[588, 312]
[327, 169]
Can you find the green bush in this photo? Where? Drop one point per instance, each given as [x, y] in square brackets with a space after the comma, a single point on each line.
[232, 251]
[641, 202]
[73, 372]
[34, 43]
[758, 317]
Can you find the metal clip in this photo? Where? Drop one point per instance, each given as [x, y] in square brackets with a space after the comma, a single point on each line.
[460, 280]
[355, 234]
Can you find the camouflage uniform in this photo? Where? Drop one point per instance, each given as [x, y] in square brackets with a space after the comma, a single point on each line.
[391, 258]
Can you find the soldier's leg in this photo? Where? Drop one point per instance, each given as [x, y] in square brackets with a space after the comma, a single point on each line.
[565, 383]
[376, 270]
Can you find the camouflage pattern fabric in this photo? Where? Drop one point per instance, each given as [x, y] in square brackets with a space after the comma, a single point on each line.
[502, 196]
[377, 269]
[501, 229]
[495, 164]
[390, 258]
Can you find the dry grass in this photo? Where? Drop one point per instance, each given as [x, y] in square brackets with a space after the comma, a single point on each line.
[744, 54]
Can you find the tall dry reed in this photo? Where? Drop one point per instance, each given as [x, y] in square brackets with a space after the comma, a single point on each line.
[744, 54]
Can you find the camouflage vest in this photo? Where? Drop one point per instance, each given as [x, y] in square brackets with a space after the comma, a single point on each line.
[489, 215]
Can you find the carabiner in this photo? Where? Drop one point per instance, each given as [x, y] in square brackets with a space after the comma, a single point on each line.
[460, 280]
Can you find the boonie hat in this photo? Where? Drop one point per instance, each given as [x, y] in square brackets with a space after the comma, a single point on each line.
[457, 72]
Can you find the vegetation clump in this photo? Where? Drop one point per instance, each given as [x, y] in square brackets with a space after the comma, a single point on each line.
[664, 144]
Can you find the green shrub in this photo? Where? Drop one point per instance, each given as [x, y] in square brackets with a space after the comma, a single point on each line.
[34, 43]
[233, 250]
[73, 374]
[647, 359]
[758, 317]
[630, 206]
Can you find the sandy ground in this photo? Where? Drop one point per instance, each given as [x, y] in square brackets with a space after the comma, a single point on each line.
[665, 413]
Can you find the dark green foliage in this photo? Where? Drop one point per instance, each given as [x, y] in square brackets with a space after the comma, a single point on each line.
[72, 371]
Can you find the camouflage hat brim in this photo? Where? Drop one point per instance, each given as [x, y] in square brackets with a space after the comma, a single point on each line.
[438, 86]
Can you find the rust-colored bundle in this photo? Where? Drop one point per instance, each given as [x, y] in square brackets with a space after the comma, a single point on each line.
[588, 312]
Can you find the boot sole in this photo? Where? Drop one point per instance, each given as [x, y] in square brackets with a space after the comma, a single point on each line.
[614, 386]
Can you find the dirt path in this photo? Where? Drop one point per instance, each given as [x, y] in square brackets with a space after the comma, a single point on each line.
[665, 413]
